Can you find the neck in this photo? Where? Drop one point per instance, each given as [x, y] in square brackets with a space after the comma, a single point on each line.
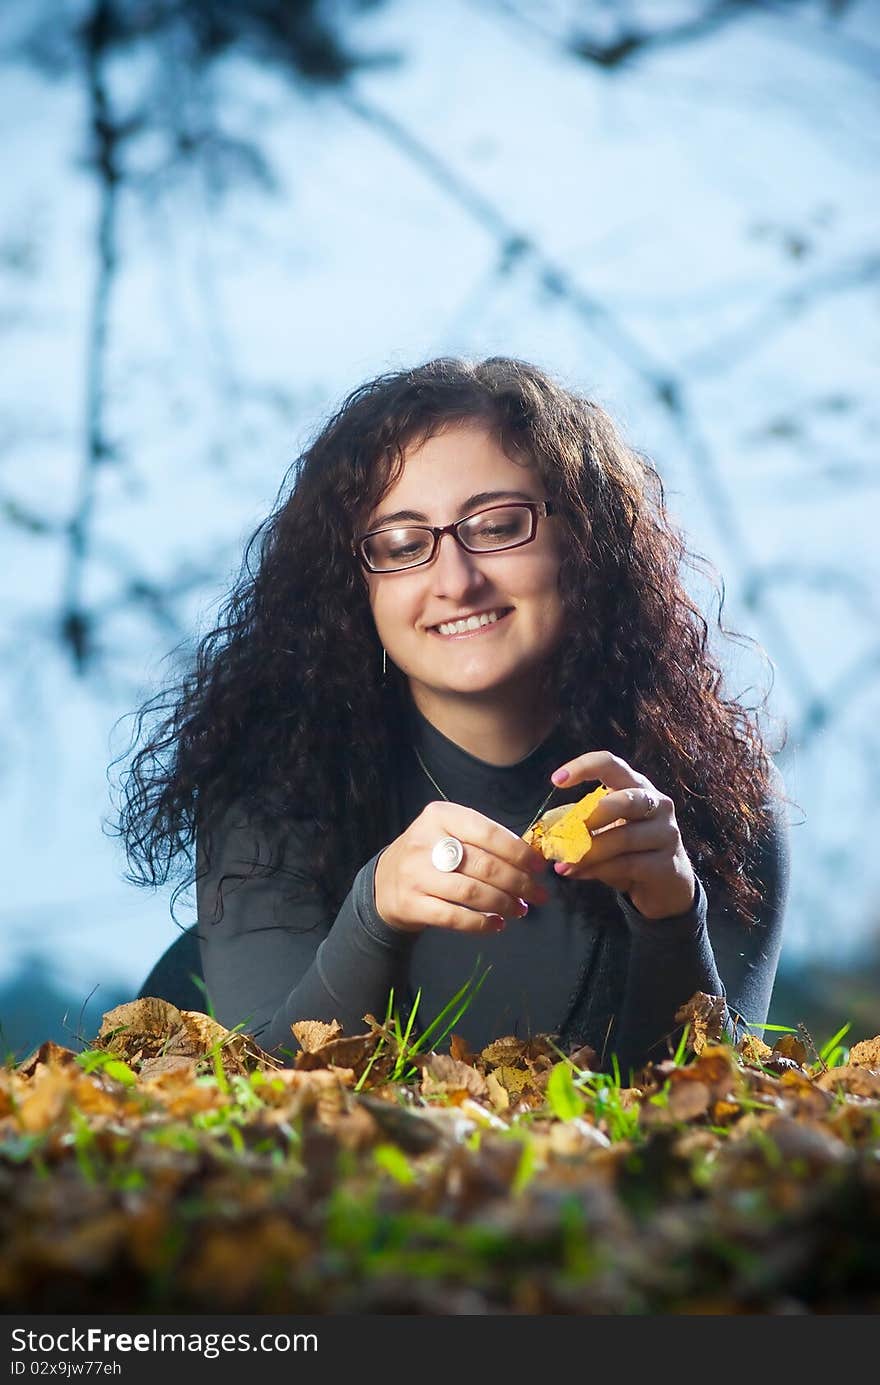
[500, 735]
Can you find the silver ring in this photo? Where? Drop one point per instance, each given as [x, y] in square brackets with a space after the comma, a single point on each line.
[447, 854]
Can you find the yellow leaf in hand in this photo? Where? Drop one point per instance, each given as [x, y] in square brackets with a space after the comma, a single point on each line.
[562, 833]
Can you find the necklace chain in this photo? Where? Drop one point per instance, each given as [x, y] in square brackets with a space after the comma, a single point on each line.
[446, 798]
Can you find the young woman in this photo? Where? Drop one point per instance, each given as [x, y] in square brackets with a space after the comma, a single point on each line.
[469, 600]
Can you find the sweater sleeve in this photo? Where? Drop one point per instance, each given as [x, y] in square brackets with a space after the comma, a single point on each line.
[270, 953]
[708, 948]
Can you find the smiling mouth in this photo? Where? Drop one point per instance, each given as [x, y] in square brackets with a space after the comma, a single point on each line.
[474, 625]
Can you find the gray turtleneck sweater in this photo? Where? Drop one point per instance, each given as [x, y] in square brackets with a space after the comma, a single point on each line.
[272, 956]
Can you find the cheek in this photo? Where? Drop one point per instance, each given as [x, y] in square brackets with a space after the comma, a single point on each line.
[392, 610]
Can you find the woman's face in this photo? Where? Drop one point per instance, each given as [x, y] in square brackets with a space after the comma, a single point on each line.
[438, 483]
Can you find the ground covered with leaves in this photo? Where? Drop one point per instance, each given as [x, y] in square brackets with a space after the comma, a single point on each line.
[173, 1166]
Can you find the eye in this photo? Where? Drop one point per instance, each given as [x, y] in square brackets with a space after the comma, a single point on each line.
[406, 550]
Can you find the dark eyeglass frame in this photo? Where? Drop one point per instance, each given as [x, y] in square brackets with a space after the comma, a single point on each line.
[534, 507]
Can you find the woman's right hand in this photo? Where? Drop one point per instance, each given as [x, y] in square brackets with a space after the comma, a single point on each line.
[497, 875]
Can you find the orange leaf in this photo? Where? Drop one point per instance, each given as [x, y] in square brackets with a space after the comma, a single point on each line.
[561, 834]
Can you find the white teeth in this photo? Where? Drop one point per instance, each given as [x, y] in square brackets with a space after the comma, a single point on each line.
[458, 627]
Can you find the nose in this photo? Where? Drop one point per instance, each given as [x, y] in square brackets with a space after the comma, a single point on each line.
[454, 569]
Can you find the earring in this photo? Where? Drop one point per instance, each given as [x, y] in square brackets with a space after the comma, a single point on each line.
[384, 663]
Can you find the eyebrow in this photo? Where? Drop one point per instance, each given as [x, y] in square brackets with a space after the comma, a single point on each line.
[467, 506]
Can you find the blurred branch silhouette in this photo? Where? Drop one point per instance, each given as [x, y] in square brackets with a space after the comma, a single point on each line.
[186, 39]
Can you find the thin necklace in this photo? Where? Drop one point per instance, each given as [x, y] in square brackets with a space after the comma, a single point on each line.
[447, 800]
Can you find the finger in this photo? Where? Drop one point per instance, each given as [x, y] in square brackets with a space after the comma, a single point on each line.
[656, 834]
[481, 864]
[473, 827]
[633, 805]
[609, 769]
[638, 838]
[441, 913]
[626, 871]
[461, 888]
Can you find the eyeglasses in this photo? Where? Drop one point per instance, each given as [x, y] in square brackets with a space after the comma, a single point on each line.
[490, 531]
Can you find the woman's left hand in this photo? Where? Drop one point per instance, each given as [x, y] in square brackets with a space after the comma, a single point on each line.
[640, 852]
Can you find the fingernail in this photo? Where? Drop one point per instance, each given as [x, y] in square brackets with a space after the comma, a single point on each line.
[495, 923]
[559, 776]
[562, 868]
[523, 908]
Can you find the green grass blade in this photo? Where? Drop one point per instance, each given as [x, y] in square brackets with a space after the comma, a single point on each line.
[682, 1045]
[467, 992]
[830, 1046]
[776, 1028]
[566, 1102]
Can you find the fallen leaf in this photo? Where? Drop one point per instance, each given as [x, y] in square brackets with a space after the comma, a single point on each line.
[857, 1081]
[787, 1046]
[48, 1053]
[354, 1053]
[43, 1101]
[498, 1095]
[688, 1100]
[562, 834]
[866, 1054]
[808, 1141]
[753, 1050]
[584, 1058]
[513, 1080]
[723, 1111]
[705, 1015]
[460, 1049]
[152, 1069]
[312, 1035]
[507, 1050]
[447, 1074]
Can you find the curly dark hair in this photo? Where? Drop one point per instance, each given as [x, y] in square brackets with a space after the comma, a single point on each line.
[284, 711]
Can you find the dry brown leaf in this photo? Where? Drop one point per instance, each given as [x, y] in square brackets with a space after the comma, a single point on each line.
[43, 1101]
[447, 1074]
[354, 1053]
[49, 1054]
[92, 1097]
[856, 1123]
[802, 1095]
[788, 1046]
[705, 1015]
[716, 1066]
[866, 1054]
[572, 1137]
[813, 1144]
[753, 1050]
[513, 1080]
[153, 1069]
[504, 1051]
[779, 1064]
[498, 1095]
[312, 1035]
[139, 1025]
[153, 1028]
[687, 1100]
[584, 1058]
[857, 1081]
[723, 1111]
[461, 1050]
